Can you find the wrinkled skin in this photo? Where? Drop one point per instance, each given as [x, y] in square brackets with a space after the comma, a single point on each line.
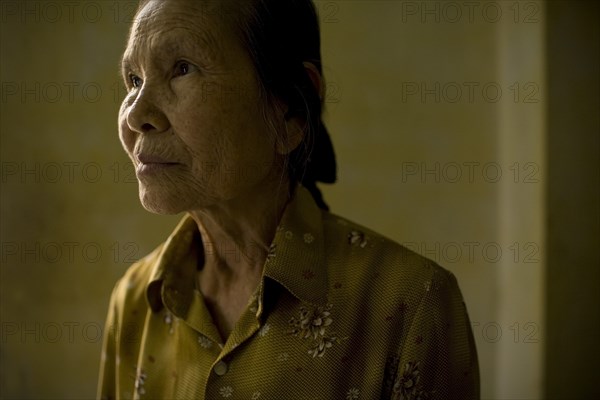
[193, 126]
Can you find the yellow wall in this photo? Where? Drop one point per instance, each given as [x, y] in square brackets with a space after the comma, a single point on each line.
[71, 222]
[65, 223]
[400, 154]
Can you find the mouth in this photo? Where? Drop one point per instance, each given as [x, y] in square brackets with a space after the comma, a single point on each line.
[152, 163]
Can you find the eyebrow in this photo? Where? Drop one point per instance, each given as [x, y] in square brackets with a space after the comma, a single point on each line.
[124, 65]
[205, 43]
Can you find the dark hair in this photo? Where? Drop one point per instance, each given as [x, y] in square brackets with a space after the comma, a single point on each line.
[280, 36]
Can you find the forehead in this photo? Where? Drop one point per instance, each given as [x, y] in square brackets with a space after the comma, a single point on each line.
[169, 24]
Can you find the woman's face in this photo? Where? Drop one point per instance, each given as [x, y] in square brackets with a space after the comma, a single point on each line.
[191, 121]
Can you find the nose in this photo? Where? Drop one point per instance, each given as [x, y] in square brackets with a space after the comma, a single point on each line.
[145, 115]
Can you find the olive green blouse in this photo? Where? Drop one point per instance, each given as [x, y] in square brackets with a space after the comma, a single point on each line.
[341, 313]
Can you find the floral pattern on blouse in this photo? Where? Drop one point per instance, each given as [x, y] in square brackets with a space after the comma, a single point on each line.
[407, 385]
[357, 238]
[353, 394]
[308, 238]
[312, 324]
[271, 252]
[226, 391]
[398, 331]
[140, 380]
[204, 341]
[169, 320]
[264, 330]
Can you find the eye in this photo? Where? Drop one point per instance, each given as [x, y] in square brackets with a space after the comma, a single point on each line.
[135, 80]
[184, 68]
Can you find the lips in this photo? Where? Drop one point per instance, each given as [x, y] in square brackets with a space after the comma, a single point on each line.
[150, 164]
[153, 159]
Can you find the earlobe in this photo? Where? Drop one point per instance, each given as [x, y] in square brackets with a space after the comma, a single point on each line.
[292, 137]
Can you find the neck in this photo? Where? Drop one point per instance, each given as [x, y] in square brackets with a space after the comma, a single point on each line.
[236, 234]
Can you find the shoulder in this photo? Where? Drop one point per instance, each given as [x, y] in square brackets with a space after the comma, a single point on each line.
[358, 254]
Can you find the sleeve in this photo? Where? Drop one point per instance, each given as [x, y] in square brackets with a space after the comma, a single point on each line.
[107, 378]
[438, 358]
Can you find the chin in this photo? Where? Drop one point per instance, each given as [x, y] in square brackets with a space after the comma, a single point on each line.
[163, 203]
[156, 206]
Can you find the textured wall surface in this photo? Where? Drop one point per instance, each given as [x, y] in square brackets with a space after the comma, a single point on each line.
[436, 111]
[71, 219]
[437, 115]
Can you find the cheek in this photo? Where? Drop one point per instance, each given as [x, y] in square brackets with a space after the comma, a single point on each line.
[224, 131]
[126, 135]
[206, 124]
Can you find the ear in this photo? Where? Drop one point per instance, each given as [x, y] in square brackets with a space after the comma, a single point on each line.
[315, 77]
[291, 135]
[294, 125]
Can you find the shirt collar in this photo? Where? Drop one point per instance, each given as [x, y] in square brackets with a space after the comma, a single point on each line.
[296, 256]
[174, 271]
[295, 259]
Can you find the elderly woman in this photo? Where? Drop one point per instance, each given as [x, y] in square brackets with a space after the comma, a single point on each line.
[261, 292]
